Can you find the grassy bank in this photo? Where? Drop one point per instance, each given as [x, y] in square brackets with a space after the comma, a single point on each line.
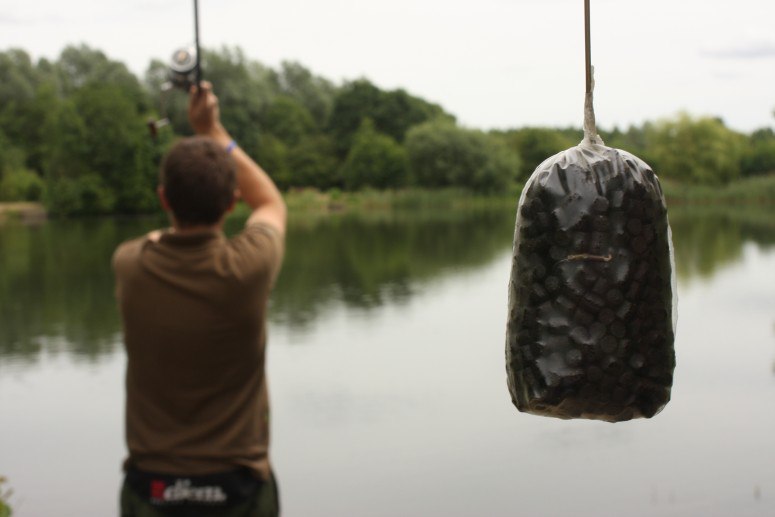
[310, 201]
[22, 211]
[758, 190]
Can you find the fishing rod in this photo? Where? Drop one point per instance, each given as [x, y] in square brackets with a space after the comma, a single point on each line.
[183, 72]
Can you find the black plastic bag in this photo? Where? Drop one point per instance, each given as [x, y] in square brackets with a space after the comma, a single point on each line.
[591, 297]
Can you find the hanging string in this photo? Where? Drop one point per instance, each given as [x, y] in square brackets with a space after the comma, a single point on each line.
[590, 129]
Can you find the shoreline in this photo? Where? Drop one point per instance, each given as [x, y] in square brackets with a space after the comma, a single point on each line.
[26, 212]
[752, 193]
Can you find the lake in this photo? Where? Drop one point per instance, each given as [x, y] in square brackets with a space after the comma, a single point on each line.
[387, 376]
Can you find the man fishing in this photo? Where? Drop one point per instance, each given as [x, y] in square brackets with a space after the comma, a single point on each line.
[193, 305]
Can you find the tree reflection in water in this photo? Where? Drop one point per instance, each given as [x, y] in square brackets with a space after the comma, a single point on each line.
[708, 238]
[56, 285]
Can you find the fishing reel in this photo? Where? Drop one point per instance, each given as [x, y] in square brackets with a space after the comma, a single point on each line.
[182, 74]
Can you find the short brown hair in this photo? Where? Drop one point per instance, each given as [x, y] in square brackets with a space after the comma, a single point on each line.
[199, 178]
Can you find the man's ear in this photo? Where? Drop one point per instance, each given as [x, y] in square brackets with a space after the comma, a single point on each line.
[163, 198]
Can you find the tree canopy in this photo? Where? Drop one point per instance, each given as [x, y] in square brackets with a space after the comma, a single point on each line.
[73, 134]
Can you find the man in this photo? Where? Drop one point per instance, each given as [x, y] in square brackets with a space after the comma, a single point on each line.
[193, 305]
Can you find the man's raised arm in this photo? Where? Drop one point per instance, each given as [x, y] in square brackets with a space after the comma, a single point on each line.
[256, 187]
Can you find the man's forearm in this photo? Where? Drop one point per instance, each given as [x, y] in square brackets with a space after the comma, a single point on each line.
[256, 187]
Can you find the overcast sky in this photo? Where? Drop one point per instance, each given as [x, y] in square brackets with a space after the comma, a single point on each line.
[492, 63]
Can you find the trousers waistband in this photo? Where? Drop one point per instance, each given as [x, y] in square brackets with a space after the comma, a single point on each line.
[214, 490]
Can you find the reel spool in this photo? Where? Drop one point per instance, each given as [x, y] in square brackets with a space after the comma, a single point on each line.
[183, 66]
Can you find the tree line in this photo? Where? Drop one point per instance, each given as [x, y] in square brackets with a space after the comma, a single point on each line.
[73, 133]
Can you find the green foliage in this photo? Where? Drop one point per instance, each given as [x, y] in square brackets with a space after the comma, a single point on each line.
[272, 154]
[288, 120]
[696, 150]
[752, 191]
[56, 281]
[759, 153]
[26, 97]
[707, 238]
[81, 66]
[442, 155]
[11, 156]
[536, 144]
[19, 81]
[84, 195]
[21, 185]
[392, 113]
[398, 111]
[5, 508]
[313, 163]
[375, 160]
[65, 131]
[315, 93]
[368, 260]
[19, 76]
[98, 138]
[79, 124]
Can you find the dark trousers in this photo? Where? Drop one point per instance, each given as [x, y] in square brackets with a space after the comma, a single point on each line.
[262, 501]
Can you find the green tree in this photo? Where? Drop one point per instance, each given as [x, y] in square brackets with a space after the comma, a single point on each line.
[392, 113]
[27, 95]
[635, 140]
[17, 92]
[5, 509]
[354, 102]
[65, 132]
[17, 182]
[443, 155]
[536, 144]
[288, 120]
[397, 111]
[315, 93]
[375, 160]
[759, 154]
[20, 184]
[96, 160]
[11, 156]
[696, 150]
[313, 163]
[272, 154]
[79, 66]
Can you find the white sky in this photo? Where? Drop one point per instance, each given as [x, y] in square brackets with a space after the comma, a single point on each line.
[492, 63]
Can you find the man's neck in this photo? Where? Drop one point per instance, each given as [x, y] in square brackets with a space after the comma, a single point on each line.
[196, 228]
[203, 228]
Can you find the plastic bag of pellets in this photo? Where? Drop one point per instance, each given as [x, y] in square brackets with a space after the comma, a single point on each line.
[591, 297]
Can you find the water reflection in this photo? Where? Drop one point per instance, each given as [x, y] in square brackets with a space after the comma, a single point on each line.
[400, 367]
[56, 286]
[368, 262]
[708, 238]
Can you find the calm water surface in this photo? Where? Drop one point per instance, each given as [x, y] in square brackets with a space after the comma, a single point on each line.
[387, 376]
